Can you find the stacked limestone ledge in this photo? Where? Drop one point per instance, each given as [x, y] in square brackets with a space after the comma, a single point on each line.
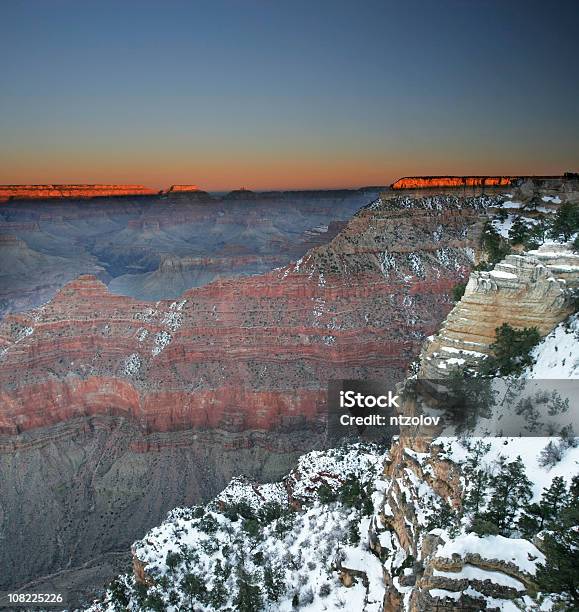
[522, 290]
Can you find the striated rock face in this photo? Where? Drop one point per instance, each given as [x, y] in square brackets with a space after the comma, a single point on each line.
[562, 261]
[100, 483]
[425, 182]
[28, 276]
[42, 192]
[521, 291]
[243, 354]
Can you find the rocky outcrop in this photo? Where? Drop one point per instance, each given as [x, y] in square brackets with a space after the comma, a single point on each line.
[44, 192]
[426, 182]
[562, 261]
[546, 190]
[522, 291]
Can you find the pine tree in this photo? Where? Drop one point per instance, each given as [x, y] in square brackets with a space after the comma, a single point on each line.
[555, 498]
[512, 350]
[194, 588]
[273, 582]
[119, 597]
[550, 455]
[566, 221]
[249, 597]
[477, 479]
[511, 493]
[545, 514]
[155, 602]
[560, 573]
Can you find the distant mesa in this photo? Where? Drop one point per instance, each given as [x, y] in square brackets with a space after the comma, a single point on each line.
[182, 188]
[87, 191]
[43, 192]
[422, 182]
[240, 194]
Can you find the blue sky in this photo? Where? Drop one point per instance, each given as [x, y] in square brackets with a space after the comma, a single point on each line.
[277, 94]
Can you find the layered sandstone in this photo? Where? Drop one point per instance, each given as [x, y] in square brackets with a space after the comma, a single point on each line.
[426, 182]
[43, 192]
[522, 291]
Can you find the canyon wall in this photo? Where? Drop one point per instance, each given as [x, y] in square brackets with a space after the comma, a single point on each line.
[159, 246]
[357, 307]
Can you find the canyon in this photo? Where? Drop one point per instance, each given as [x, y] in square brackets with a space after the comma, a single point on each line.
[120, 401]
[103, 395]
[158, 246]
[388, 528]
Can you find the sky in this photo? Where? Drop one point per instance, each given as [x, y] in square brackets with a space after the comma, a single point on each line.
[280, 94]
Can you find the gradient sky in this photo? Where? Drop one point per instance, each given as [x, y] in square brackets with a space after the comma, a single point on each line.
[286, 94]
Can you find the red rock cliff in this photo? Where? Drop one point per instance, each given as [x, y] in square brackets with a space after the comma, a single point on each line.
[424, 182]
[41, 192]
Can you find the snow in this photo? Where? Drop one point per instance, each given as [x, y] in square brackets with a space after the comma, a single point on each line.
[172, 320]
[253, 493]
[177, 305]
[147, 315]
[502, 274]
[452, 349]
[132, 364]
[519, 552]
[557, 355]
[444, 594]
[23, 332]
[307, 553]
[162, 339]
[503, 227]
[528, 448]
[332, 467]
